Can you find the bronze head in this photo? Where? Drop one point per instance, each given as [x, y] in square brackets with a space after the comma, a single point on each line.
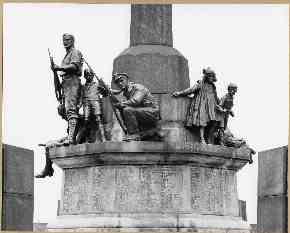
[68, 40]
[121, 80]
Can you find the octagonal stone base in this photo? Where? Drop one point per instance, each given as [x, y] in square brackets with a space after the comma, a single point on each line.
[130, 186]
[160, 68]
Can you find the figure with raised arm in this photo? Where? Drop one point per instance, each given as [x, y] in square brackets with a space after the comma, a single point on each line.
[202, 109]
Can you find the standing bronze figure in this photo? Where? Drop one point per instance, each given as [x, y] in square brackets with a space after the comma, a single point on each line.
[225, 110]
[71, 71]
[202, 109]
[92, 105]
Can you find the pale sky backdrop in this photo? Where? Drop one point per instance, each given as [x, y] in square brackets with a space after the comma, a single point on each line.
[244, 44]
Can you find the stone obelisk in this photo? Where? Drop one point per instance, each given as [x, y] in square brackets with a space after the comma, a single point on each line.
[174, 185]
[152, 61]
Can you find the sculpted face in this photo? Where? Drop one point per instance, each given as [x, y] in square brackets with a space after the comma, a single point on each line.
[209, 78]
[68, 41]
[232, 91]
[122, 83]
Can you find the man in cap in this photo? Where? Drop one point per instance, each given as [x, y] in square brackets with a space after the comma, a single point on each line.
[140, 110]
[71, 70]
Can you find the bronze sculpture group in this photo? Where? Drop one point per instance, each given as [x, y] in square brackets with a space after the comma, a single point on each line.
[138, 113]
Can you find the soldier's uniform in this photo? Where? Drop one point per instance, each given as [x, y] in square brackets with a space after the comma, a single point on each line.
[141, 111]
[71, 86]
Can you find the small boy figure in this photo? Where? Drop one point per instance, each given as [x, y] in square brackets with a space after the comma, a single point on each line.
[225, 109]
[92, 102]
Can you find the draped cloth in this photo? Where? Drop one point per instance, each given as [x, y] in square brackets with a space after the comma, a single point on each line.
[202, 108]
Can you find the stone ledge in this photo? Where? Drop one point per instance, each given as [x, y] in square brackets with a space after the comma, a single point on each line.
[146, 153]
[143, 221]
[163, 50]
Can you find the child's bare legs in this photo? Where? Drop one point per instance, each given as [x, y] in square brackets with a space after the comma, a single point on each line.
[201, 132]
[101, 128]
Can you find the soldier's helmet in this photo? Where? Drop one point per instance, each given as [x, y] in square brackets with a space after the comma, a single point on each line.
[118, 76]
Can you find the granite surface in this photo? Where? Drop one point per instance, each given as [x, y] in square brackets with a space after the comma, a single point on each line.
[272, 172]
[273, 191]
[272, 214]
[160, 68]
[145, 153]
[150, 189]
[18, 188]
[151, 24]
[134, 185]
[18, 170]
[149, 223]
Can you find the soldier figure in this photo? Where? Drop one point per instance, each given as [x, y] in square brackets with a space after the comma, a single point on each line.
[140, 111]
[71, 70]
[92, 102]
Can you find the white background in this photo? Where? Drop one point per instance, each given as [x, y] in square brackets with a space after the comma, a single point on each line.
[244, 44]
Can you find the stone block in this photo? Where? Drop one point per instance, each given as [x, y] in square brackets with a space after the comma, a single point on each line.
[162, 69]
[147, 26]
[39, 227]
[18, 170]
[272, 174]
[150, 189]
[149, 185]
[17, 212]
[172, 109]
[156, 222]
[253, 228]
[272, 214]
[174, 132]
[149, 153]
[243, 210]
[18, 186]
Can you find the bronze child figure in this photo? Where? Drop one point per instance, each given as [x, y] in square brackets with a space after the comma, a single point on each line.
[202, 109]
[225, 110]
[91, 99]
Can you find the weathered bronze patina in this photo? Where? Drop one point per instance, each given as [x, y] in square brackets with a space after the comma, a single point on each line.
[140, 111]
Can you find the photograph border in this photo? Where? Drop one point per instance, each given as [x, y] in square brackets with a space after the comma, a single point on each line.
[243, 2]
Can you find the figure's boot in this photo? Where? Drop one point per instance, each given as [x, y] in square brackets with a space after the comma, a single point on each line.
[48, 169]
[221, 136]
[102, 132]
[71, 131]
[101, 129]
[201, 131]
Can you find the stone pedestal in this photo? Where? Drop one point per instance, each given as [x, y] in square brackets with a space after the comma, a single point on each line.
[174, 185]
[130, 186]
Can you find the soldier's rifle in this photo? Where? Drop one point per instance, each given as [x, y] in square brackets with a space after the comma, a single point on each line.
[57, 85]
[113, 99]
